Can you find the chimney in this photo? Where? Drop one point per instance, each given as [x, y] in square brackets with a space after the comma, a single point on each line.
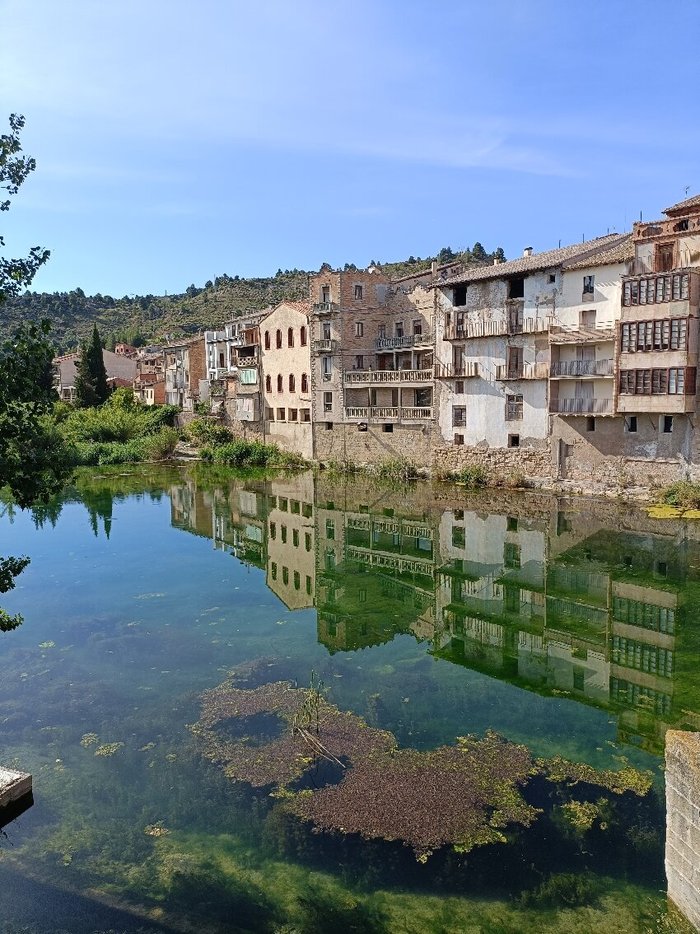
[433, 269]
[527, 251]
[496, 261]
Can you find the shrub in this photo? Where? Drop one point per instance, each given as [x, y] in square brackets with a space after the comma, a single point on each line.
[396, 470]
[473, 476]
[100, 453]
[207, 431]
[682, 493]
[159, 446]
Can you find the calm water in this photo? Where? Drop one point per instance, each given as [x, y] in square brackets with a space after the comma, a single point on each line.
[570, 627]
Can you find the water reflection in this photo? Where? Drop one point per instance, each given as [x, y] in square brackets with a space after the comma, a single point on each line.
[534, 591]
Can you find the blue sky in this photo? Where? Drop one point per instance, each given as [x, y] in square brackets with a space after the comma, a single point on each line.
[176, 141]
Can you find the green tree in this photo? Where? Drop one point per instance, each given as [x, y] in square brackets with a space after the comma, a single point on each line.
[91, 376]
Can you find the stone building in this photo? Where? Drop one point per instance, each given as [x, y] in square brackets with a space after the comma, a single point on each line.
[185, 373]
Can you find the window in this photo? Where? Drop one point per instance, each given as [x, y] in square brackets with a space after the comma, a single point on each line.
[631, 424]
[326, 367]
[588, 285]
[388, 428]
[222, 359]
[278, 339]
[304, 382]
[302, 336]
[326, 330]
[514, 409]
[398, 329]
[328, 402]
[664, 257]
[267, 340]
[459, 416]
[552, 278]
[667, 424]
[459, 439]
[292, 383]
[516, 287]
[280, 415]
[513, 441]
[268, 383]
[329, 426]
[459, 295]
[424, 397]
[270, 415]
[306, 415]
[358, 293]
[293, 415]
[381, 331]
[459, 387]
[359, 361]
[590, 423]
[417, 328]
[290, 337]
[658, 381]
[664, 334]
[279, 382]
[325, 293]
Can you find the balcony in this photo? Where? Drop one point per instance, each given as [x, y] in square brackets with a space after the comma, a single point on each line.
[325, 345]
[449, 371]
[324, 308]
[393, 413]
[494, 328]
[383, 377]
[407, 341]
[526, 371]
[559, 334]
[579, 406]
[579, 368]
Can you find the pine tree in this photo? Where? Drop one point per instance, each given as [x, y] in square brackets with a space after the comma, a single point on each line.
[91, 376]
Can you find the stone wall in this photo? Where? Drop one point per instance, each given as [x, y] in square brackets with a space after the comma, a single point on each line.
[534, 462]
[345, 442]
[683, 822]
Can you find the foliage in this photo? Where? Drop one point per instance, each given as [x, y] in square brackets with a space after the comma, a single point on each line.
[682, 493]
[161, 445]
[473, 476]
[563, 889]
[91, 376]
[9, 569]
[240, 453]
[16, 274]
[209, 431]
[396, 470]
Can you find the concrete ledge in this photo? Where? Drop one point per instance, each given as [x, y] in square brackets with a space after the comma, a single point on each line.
[683, 822]
[13, 785]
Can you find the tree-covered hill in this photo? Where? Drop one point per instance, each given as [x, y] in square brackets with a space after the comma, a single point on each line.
[156, 318]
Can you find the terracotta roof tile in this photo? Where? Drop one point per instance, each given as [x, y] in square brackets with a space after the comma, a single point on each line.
[535, 262]
[620, 253]
[682, 206]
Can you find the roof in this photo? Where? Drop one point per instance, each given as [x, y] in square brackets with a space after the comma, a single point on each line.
[537, 261]
[620, 253]
[117, 367]
[303, 307]
[684, 207]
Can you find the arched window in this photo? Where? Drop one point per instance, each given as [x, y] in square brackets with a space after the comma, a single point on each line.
[292, 382]
[279, 383]
[290, 337]
[302, 336]
[279, 338]
[267, 340]
[268, 383]
[304, 382]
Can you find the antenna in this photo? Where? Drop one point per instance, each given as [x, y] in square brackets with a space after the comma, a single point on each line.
[687, 189]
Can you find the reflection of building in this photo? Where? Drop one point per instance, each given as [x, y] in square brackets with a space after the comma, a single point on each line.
[290, 540]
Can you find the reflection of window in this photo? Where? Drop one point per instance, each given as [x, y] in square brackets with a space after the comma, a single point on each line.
[307, 541]
[295, 537]
[458, 536]
[579, 674]
[285, 575]
[362, 596]
[283, 534]
[273, 570]
[273, 530]
[297, 580]
[308, 585]
[330, 560]
[330, 528]
[511, 555]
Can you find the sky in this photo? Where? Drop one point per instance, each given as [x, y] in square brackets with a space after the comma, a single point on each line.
[176, 141]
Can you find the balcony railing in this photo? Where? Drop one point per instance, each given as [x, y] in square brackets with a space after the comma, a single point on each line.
[526, 371]
[500, 326]
[590, 406]
[325, 345]
[388, 412]
[449, 371]
[353, 377]
[578, 368]
[559, 334]
[321, 308]
[406, 341]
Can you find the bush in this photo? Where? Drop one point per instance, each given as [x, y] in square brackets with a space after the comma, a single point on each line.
[473, 476]
[101, 453]
[397, 470]
[207, 431]
[682, 493]
[159, 446]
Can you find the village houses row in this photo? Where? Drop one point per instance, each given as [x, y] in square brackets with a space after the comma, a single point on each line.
[575, 363]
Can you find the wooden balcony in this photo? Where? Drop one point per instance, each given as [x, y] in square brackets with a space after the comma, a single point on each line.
[578, 406]
[388, 413]
[406, 342]
[605, 331]
[526, 371]
[386, 377]
[448, 371]
[494, 328]
[580, 369]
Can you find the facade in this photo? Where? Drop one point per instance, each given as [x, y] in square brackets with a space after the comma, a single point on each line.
[185, 373]
[234, 373]
[121, 371]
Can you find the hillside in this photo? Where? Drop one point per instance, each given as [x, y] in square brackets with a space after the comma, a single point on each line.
[156, 318]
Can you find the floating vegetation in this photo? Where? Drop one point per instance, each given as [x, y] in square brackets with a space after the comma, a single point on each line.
[47, 645]
[156, 830]
[88, 739]
[108, 749]
[465, 795]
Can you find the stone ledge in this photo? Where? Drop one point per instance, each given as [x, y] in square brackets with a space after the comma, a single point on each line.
[13, 785]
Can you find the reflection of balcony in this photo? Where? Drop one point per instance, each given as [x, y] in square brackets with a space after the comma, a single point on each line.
[579, 368]
[406, 340]
[559, 334]
[352, 377]
[448, 371]
[381, 559]
[578, 406]
[325, 345]
[526, 371]
[379, 413]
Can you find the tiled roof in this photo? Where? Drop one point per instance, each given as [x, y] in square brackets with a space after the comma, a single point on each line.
[619, 253]
[683, 206]
[535, 262]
